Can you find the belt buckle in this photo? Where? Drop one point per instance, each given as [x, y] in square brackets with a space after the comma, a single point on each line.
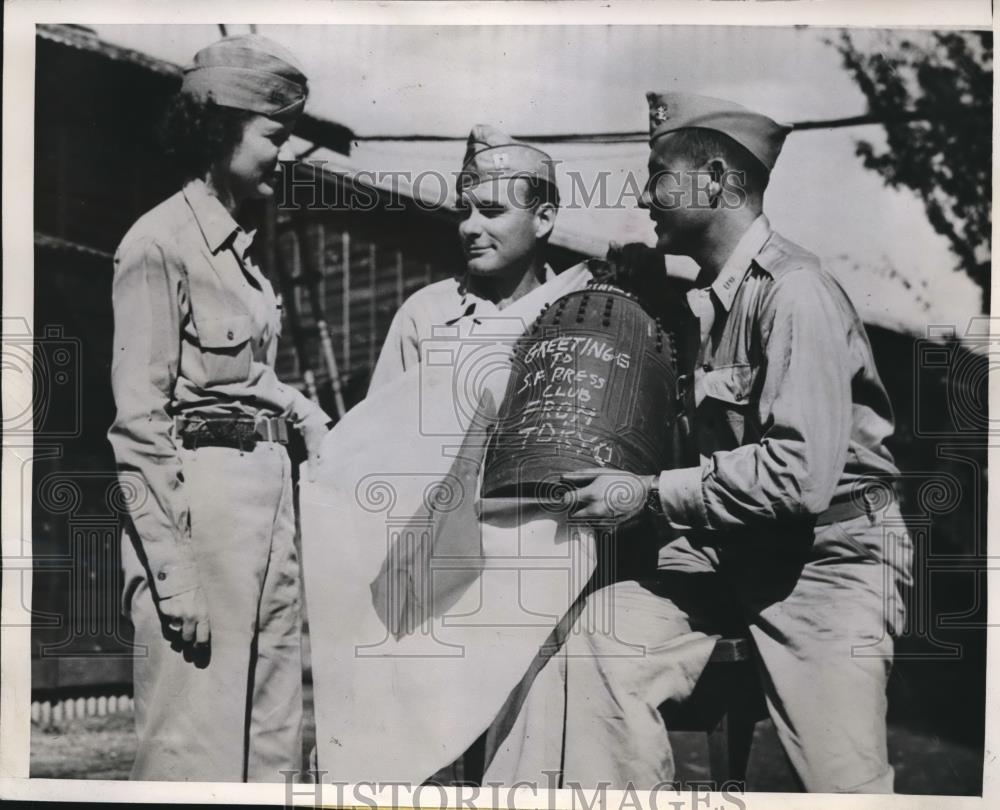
[272, 429]
[265, 429]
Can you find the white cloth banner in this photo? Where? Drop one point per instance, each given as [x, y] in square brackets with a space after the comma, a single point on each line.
[427, 605]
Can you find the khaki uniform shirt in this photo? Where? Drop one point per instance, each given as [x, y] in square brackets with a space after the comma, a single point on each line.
[196, 333]
[439, 304]
[791, 411]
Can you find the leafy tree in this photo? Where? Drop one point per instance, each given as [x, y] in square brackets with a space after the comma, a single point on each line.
[934, 96]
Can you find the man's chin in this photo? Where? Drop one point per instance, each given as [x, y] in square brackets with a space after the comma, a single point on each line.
[481, 266]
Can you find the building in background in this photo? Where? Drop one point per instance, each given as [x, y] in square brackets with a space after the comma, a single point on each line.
[97, 168]
[336, 250]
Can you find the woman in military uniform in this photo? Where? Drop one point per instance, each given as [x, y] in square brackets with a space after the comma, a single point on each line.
[211, 570]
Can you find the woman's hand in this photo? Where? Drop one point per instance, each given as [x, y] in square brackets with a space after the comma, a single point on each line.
[187, 614]
[314, 430]
[605, 494]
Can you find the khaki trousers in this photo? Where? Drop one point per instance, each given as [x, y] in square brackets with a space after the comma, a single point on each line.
[231, 712]
[821, 609]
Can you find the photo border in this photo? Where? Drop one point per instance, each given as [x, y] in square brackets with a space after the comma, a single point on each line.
[18, 302]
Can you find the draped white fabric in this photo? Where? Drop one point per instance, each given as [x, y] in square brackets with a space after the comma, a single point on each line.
[426, 604]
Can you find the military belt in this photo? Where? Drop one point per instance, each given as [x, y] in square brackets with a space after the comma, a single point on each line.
[242, 433]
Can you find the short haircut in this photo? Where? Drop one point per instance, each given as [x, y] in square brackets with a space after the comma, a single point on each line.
[701, 145]
[195, 134]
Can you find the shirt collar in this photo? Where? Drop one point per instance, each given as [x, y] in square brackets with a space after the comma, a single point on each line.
[216, 223]
[730, 278]
[243, 241]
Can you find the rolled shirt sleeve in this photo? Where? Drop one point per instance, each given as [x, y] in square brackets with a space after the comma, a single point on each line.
[301, 409]
[804, 411]
[148, 295]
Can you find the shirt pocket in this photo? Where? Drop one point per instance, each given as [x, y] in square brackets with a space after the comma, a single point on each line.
[726, 403]
[225, 348]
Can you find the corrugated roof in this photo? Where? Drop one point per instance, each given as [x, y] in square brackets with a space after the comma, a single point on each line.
[320, 131]
[85, 39]
[60, 245]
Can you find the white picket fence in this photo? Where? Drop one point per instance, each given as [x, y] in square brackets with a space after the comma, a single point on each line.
[55, 714]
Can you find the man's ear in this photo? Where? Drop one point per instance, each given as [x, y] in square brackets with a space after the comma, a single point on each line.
[545, 219]
[716, 168]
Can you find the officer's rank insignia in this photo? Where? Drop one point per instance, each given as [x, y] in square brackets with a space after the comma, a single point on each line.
[660, 114]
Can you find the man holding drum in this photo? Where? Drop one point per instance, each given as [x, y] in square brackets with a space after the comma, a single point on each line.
[783, 521]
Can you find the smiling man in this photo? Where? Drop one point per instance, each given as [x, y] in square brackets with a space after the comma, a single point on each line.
[787, 527]
[508, 197]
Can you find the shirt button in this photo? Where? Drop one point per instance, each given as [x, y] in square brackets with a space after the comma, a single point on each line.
[161, 576]
[229, 335]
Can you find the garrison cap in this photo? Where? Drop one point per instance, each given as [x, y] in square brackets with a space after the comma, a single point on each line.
[492, 155]
[248, 72]
[761, 136]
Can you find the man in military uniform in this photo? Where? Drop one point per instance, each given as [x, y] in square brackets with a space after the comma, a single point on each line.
[788, 520]
[507, 192]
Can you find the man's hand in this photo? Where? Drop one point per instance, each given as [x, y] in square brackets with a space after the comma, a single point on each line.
[314, 430]
[640, 270]
[605, 494]
[187, 614]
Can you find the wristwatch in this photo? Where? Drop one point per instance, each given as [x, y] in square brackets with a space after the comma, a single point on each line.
[654, 505]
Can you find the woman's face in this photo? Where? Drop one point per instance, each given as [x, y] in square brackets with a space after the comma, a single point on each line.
[252, 171]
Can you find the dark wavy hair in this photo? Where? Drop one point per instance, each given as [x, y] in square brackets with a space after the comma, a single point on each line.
[195, 134]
